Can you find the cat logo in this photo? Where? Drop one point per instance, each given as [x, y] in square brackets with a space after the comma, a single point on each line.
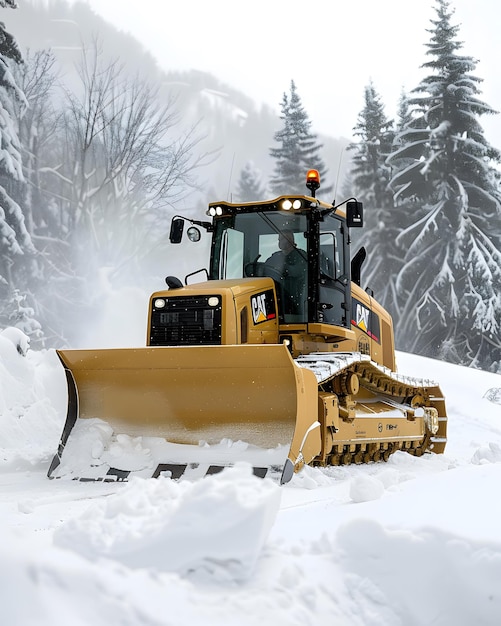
[362, 317]
[365, 320]
[263, 307]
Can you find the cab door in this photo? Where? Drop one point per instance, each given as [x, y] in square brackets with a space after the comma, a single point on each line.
[333, 271]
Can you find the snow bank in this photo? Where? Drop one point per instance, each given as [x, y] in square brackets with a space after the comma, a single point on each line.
[488, 454]
[422, 576]
[32, 401]
[366, 488]
[216, 526]
[93, 448]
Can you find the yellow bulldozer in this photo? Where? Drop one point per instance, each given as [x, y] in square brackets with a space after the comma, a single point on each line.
[278, 358]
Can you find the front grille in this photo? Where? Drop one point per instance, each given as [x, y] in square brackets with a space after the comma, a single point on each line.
[186, 321]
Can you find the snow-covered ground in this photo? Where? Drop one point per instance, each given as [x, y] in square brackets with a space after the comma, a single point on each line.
[415, 541]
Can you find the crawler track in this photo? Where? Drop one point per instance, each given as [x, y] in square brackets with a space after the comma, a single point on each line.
[379, 411]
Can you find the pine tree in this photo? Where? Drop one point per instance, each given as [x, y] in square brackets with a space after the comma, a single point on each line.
[299, 149]
[370, 176]
[445, 179]
[250, 186]
[15, 241]
[21, 315]
[50, 281]
[404, 114]
[14, 237]
[370, 173]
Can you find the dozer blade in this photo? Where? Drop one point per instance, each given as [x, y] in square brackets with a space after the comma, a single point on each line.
[186, 412]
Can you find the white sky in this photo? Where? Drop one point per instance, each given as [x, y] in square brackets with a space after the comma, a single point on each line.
[331, 49]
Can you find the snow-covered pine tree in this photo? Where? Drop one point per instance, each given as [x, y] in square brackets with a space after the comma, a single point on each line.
[250, 186]
[370, 173]
[370, 176]
[21, 315]
[298, 149]
[14, 236]
[51, 282]
[15, 241]
[444, 177]
[404, 114]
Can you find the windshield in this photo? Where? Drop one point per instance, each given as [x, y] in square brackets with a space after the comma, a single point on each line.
[279, 244]
[266, 244]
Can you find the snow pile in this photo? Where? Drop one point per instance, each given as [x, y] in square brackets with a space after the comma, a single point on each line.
[216, 526]
[366, 488]
[16, 373]
[91, 445]
[398, 575]
[17, 338]
[488, 454]
[93, 448]
[32, 401]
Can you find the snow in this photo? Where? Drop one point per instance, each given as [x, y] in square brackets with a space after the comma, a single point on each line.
[93, 444]
[413, 541]
[211, 516]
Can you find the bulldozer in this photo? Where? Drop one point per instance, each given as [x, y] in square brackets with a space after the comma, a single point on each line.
[277, 357]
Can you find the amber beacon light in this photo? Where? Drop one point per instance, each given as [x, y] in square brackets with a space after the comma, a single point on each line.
[313, 181]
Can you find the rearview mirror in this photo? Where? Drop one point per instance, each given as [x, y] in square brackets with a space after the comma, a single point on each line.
[176, 230]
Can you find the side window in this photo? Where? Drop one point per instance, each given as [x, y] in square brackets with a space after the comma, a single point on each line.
[331, 249]
[329, 255]
[333, 286]
[231, 262]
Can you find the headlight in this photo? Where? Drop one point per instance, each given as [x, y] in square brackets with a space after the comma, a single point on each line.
[288, 204]
[159, 303]
[215, 210]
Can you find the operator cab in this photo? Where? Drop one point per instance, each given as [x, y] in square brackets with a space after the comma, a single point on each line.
[298, 241]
